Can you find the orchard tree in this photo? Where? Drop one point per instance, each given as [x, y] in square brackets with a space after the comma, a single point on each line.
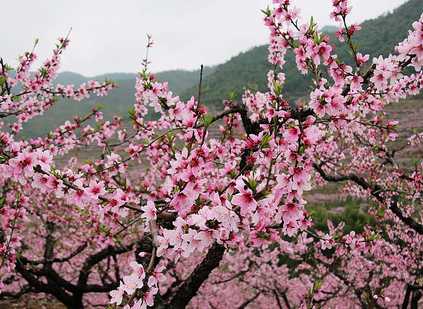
[167, 216]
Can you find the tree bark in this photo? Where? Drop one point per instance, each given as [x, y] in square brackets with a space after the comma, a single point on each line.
[191, 285]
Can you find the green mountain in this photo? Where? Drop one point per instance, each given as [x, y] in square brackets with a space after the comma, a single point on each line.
[329, 29]
[117, 102]
[378, 36]
[70, 78]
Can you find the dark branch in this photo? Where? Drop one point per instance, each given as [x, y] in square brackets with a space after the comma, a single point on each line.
[249, 301]
[190, 286]
[97, 258]
[375, 191]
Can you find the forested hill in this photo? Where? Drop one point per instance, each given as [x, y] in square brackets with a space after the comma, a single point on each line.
[117, 102]
[179, 80]
[378, 36]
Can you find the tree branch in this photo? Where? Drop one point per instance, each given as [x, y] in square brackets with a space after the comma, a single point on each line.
[375, 191]
[190, 286]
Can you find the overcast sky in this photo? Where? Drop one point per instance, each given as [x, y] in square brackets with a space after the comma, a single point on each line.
[109, 36]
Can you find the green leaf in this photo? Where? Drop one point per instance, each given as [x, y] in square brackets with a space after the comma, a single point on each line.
[263, 235]
[233, 174]
[2, 80]
[144, 74]
[8, 68]
[317, 284]
[312, 24]
[278, 88]
[232, 95]
[265, 141]
[267, 11]
[251, 184]
[104, 229]
[99, 106]
[3, 159]
[131, 112]
[207, 120]
[43, 72]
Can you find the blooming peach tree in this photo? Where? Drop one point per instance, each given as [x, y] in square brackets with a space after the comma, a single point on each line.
[168, 216]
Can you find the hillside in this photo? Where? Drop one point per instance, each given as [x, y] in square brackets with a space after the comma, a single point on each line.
[116, 103]
[378, 36]
[329, 29]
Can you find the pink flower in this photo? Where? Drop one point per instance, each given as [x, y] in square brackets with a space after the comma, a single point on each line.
[252, 141]
[44, 159]
[203, 240]
[23, 164]
[79, 197]
[292, 134]
[139, 304]
[290, 228]
[327, 242]
[40, 182]
[356, 82]
[95, 190]
[150, 212]
[291, 212]
[362, 59]
[183, 201]
[117, 295]
[244, 199]
[312, 134]
[131, 283]
[379, 80]
[323, 50]
[184, 113]
[138, 270]
[149, 298]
